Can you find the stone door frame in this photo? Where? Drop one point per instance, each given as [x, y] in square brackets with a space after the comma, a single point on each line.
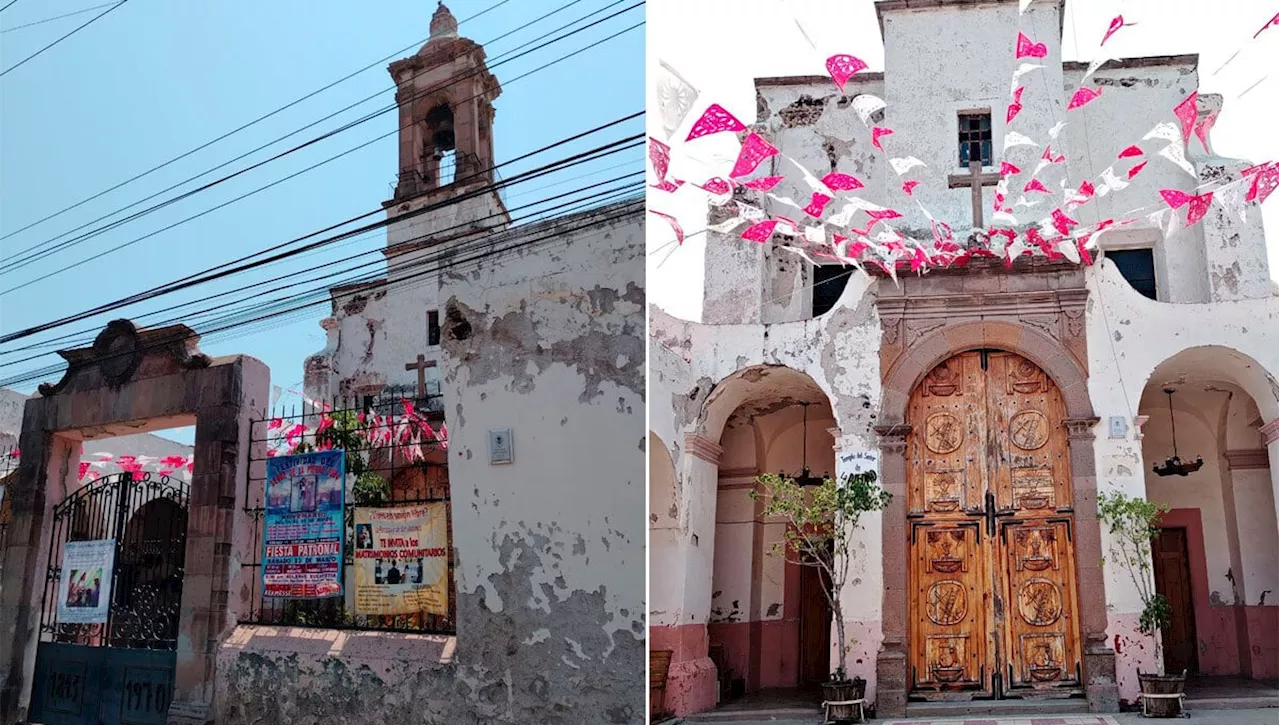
[135, 380]
[1036, 312]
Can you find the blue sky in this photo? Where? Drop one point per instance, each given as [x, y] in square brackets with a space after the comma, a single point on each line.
[154, 79]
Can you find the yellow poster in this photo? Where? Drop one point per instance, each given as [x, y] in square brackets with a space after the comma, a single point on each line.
[402, 560]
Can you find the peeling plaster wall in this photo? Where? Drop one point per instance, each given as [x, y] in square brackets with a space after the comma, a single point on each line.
[970, 43]
[1129, 336]
[549, 342]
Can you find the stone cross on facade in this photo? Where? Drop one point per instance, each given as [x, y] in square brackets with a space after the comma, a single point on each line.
[421, 366]
[975, 180]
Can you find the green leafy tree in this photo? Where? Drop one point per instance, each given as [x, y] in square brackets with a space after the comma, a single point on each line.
[1134, 523]
[821, 521]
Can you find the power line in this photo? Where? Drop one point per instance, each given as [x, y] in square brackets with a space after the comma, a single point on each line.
[86, 24]
[56, 17]
[6, 5]
[329, 265]
[211, 275]
[35, 253]
[254, 122]
[447, 259]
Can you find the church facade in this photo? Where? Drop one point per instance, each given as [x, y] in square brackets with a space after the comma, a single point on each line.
[999, 399]
[530, 332]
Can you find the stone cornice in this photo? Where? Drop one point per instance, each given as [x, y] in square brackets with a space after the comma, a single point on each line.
[704, 448]
[1080, 429]
[1247, 459]
[1269, 431]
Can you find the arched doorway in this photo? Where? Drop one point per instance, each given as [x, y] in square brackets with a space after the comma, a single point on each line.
[992, 600]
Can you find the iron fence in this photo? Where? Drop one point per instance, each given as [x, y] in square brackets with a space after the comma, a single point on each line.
[396, 456]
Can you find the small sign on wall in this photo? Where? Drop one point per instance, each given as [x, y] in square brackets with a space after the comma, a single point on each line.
[1117, 426]
[500, 448]
[859, 462]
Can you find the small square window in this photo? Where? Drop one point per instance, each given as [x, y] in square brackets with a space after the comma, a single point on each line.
[974, 138]
[433, 328]
[1138, 267]
[829, 281]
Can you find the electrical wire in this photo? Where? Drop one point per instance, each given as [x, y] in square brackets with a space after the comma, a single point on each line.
[445, 259]
[86, 24]
[218, 272]
[42, 250]
[234, 131]
[80, 335]
[56, 17]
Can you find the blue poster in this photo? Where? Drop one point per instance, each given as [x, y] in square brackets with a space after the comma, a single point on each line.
[303, 528]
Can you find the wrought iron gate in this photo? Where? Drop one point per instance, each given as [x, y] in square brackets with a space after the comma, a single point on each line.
[119, 671]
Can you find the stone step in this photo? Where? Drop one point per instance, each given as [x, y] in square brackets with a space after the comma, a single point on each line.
[1229, 703]
[751, 714]
[998, 708]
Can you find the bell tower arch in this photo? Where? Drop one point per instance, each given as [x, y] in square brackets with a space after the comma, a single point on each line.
[445, 95]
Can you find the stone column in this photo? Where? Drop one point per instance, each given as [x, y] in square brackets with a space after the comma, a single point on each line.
[219, 538]
[1100, 684]
[1269, 439]
[861, 595]
[46, 473]
[692, 680]
[891, 661]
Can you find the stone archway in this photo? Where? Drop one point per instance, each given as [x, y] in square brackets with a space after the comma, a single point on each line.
[1041, 318]
[134, 380]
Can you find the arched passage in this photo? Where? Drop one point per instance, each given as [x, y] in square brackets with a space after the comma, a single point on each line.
[1216, 556]
[769, 623]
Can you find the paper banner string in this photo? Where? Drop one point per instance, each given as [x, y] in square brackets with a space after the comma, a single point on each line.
[867, 106]
[1136, 170]
[1023, 69]
[675, 224]
[754, 151]
[1174, 150]
[878, 132]
[1130, 152]
[1186, 113]
[1265, 179]
[909, 187]
[714, 120]
[1013, 139]
[1057, 130]
[1116, 23]
[837, 181]
[676, 97]
[903, 165]
[843, 67]
[1028, 49]
[763, 183]
[659, 157]
[817, 204]
[1204, 126]
[1274, 22]
[1083, 97]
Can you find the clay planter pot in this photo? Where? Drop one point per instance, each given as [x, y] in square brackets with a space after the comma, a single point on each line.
[843, 691]
[1162, 685]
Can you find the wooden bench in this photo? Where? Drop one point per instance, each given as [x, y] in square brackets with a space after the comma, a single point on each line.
[659, 666]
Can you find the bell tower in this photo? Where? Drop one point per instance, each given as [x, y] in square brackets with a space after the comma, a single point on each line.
[445, 95]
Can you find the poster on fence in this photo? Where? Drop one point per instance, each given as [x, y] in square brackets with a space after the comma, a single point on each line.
[303, 526]
[84, 591]
[402, 560]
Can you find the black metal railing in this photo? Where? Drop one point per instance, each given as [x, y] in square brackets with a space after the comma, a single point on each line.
[396, 456]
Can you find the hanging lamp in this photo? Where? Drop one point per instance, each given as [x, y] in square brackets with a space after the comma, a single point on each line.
[1174, 466]
[806, 478]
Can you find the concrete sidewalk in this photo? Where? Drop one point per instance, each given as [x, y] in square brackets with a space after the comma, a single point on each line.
[1266, 716]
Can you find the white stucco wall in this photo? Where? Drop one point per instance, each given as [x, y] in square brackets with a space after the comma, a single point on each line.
[547, 342]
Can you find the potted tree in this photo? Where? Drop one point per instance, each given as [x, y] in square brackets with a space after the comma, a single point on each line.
[1134, 523]
[821, 520]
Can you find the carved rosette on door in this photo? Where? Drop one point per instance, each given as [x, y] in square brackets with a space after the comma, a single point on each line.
[992, 580]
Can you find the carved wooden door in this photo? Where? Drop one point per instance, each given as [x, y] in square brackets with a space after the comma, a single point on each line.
[992, 592]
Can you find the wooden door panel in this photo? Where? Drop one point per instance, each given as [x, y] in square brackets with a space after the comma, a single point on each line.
[1173, 580]
[947, 476]
[1040, 605]
[992, 576]
[1027, 450]
[950, 630]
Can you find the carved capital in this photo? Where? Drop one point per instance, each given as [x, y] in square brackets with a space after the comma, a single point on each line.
[890, 329]
[1269, 431]
[893, 438]
[704, 448]
[1080, 429]
[1138, 422]
[1241, 460]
